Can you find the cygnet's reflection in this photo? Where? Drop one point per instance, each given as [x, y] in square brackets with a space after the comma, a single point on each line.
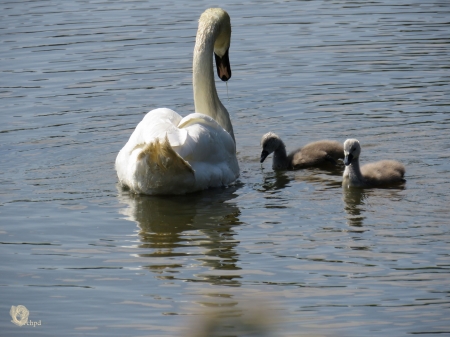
[275, 180]
[354, 199]
[330, 177]
[183, 226]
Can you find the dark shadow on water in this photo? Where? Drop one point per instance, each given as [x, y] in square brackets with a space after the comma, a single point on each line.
[175, 226]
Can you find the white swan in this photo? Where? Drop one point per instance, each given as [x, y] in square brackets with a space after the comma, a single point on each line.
[168, 154]
[380, 173]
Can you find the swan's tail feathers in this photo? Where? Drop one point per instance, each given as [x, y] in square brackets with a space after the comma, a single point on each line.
[161, 157]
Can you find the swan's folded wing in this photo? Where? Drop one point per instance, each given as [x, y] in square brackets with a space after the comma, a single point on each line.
[198, 118]
[157, 124]
[206, 150]
[206, 140]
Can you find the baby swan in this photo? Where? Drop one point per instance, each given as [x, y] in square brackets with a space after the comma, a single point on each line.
[319, 153]
[381, 173]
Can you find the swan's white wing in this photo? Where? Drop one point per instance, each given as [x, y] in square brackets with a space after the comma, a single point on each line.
[210, 150]
[156, 124]
[206, 148]
[206, 140]
[134, 172]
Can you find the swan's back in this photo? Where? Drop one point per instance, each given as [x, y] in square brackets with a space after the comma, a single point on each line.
[166, 158]
[322, 152]
[384, 172]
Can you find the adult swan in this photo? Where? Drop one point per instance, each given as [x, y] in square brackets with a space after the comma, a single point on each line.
[168, 154]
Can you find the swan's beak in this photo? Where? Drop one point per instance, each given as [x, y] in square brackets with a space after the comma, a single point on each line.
[264, 155]
[348, 159]
[223, 66]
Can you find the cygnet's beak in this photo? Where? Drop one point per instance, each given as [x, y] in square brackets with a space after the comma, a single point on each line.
[223, 66]
[264, 155]
[348, 159]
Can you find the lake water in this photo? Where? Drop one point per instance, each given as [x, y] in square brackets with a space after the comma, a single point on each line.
[290, 253]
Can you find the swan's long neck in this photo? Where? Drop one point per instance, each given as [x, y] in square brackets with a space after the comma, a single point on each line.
[353, 172]
[206, 99]
[280, 159]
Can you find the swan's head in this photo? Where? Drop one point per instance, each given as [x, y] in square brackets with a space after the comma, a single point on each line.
[223, 65]
[269, 143]
[214, 31]
[222, 44]
[352, 150]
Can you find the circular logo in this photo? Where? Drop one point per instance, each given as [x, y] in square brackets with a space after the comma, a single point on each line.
[19, 315]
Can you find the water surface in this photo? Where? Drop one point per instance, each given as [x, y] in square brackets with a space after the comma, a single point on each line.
[87, 258]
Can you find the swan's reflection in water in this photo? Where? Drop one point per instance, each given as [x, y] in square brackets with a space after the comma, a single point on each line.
[177, 229]
[275, 180]
[354, 199]
[191, 238]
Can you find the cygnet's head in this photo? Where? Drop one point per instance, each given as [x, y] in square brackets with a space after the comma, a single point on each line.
[269, 143]
[352, 150]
